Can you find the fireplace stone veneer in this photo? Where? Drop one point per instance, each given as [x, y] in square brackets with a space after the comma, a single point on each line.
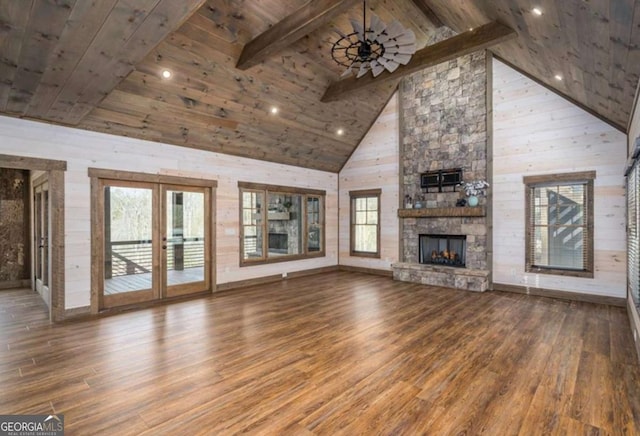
[447, 276]
[444, 125]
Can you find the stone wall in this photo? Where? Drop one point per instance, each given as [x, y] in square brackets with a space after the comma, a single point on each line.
[444, 114]
[444, 126]
[14, 225]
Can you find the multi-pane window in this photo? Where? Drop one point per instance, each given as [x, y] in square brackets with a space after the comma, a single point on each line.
[252, 202]
[365, 223]
[559, 224]
[280, 223]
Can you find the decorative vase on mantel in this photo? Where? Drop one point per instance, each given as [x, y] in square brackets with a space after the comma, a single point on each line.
[472, 200]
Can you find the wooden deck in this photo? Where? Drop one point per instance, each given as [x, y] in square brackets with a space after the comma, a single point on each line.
[116, 285]
[341, 353]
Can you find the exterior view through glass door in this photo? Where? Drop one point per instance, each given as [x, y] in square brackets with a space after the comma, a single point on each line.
[156, 240]
[129, 246]
[41, 240]
[183, 247]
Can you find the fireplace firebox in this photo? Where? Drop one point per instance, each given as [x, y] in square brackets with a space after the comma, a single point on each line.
[447, 250]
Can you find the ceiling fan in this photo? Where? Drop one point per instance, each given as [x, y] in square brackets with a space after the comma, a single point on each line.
[374, 48]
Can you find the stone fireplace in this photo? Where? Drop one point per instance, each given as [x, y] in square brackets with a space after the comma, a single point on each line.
[444, 126]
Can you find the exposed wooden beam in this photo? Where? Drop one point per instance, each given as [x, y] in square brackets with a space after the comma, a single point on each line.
[459, 45]
[429, 13]
[305, 20]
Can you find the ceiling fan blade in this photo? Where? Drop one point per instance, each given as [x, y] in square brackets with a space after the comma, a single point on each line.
[403, 49]
[389, 64]
[395, 29]
[406, 38]
[364, 69]
[376, 68]
[376, 25]
[340, 33]
[357, 28]
[400, 58]
[347, 72]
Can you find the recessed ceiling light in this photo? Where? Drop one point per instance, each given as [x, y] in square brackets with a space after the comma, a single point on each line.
[470, 29]
[340, 132]
[166, 74]
[558, 77]
[274, 110]
[536, 11]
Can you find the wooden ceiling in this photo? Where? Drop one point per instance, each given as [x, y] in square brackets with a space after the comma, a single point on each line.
[97, 65]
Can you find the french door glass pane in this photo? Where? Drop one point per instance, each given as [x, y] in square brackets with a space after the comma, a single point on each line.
[185, 237]
[128, 239]
[252, 224]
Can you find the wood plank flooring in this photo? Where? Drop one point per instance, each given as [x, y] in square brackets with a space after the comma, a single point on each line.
[341, 353]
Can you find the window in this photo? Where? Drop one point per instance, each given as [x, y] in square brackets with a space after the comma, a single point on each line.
[559, 224]
[280, 223]
[633, 231]
[365, 223]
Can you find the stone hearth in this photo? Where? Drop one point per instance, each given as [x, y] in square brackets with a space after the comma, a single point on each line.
[448, 276]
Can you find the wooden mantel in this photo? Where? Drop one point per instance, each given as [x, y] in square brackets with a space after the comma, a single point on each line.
[443, 212]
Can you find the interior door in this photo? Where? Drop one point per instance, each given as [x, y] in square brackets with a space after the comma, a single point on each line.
[130, 243]
[185, 255]
[41, 240]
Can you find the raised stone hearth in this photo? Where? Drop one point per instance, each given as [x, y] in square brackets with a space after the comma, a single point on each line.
[444, 126]
[448, 276]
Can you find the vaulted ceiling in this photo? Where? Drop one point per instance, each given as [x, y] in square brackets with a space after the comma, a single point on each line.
[97, 65]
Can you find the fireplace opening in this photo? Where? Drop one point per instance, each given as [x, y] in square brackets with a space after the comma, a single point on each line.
[278, 242]
[448, 250]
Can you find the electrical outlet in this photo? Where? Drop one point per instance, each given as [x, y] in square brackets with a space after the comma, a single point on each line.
[284, 275]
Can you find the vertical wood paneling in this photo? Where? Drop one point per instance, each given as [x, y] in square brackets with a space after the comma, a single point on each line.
[82, 149]
[374, 165]
[537, 132]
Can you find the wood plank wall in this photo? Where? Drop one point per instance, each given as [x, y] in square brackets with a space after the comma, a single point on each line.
[82, 149]
[374, 165]
[537, 132]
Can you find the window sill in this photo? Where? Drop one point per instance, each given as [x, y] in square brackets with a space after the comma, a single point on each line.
[559, 272]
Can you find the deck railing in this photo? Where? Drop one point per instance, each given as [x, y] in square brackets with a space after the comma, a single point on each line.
[136, 257]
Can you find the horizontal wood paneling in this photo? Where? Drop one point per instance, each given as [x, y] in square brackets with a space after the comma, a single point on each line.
[83, 150]
[374, 165]
[537, 132]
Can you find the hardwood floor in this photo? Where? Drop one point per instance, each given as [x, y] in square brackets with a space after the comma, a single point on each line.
[341, 353]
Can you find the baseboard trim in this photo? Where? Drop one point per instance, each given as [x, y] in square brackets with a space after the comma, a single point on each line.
[563, 295]
[634, 320]
[77, 312]
[360, 269]
[222, 287]
[15, 284]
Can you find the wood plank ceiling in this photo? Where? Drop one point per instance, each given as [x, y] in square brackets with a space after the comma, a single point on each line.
[97, 65]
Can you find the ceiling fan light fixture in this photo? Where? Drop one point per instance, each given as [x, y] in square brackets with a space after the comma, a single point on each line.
[374, 48]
